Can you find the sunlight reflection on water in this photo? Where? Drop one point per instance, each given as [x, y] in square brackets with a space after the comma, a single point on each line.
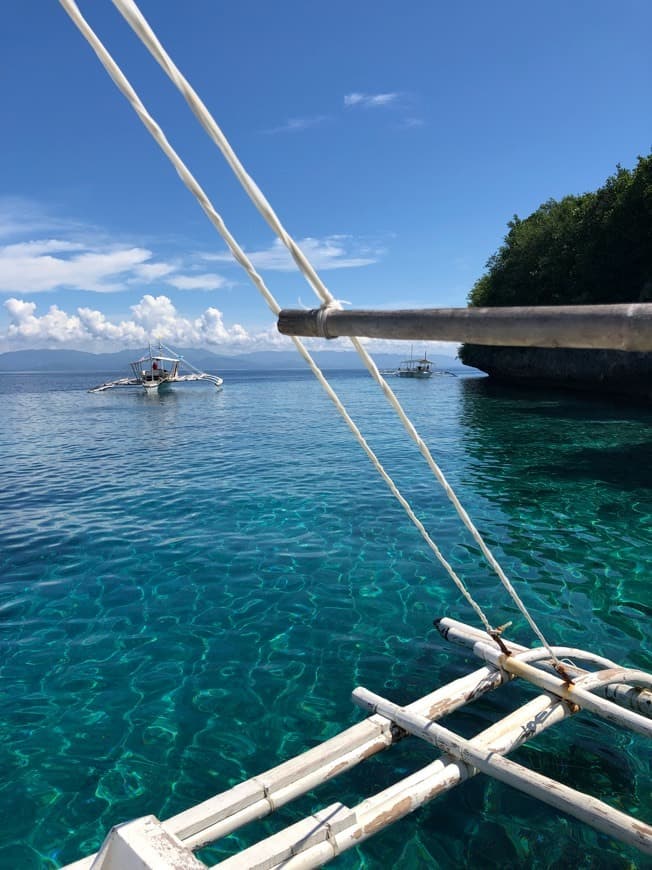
[193, 583]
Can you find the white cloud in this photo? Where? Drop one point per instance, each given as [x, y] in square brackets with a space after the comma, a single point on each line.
[55, 325]
[154, 312]
[156, 316]
[38, 247]
[296, 125]
[332, 252]
[97, 330]
[370, 101]
[400, 101]
[197, 282]
[42, 265]
[80, 260]
[151, 271]
[45, 265]
[411, 123]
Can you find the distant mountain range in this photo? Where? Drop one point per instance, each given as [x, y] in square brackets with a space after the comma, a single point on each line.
[115, 363]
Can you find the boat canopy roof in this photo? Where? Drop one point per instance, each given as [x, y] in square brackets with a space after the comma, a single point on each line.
[158, 357]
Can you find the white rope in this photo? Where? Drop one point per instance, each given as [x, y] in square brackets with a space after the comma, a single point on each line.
[193, 186]
[129, 10]
[139, 25]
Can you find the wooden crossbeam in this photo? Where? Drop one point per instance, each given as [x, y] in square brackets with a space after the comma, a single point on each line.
[318, 838]
[259, 796]
[314, 841]
[582, 806]
[611, 682]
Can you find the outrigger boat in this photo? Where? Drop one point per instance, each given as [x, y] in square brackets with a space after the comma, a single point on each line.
[155, 371]
[415, 368]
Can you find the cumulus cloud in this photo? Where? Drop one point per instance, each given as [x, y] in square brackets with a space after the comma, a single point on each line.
[332, 252]
[370, 101]
[26, 326]
[90, 329]
[156, 317]
[99, 331]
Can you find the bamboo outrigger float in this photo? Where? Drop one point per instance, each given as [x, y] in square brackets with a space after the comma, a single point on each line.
[589, 685]
[616, 694]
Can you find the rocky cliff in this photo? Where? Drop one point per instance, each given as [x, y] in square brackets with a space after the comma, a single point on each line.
[603, 371]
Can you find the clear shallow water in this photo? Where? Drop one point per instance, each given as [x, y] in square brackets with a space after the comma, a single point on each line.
[191, 584]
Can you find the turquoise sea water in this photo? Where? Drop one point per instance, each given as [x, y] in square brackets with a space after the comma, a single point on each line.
[191, 585]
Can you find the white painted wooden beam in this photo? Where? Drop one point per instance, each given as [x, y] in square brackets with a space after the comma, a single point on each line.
[144, 845]
[383, 809]
[257, 797]
[632, 697]
[582, 806]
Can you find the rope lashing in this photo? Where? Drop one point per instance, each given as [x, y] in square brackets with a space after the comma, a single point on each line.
[133, 16]
[322, 332]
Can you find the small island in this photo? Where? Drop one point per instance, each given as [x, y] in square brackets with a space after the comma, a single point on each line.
[595, 249]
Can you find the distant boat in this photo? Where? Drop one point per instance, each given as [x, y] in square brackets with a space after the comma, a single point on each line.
[155, 371]
[415, 368]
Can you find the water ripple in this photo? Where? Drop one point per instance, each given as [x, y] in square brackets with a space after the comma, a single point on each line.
[193, 584]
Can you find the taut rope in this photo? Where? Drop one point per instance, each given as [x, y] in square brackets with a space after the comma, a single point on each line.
[133, 16]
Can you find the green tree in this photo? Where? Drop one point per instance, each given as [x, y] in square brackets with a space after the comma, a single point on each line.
[589, 249]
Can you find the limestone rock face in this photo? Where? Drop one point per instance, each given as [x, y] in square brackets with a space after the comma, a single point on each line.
[604, 371]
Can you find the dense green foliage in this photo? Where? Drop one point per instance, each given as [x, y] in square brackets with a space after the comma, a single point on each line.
[595, 248]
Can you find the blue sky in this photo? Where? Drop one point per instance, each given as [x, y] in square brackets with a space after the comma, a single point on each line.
[395, 141]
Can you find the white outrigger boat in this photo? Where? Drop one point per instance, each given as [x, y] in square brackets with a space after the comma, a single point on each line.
[415, 368]
[155, 371]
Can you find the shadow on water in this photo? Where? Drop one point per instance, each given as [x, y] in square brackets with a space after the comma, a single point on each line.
[556, 403]
[563, 486]
[625, 467]
[551, 435]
